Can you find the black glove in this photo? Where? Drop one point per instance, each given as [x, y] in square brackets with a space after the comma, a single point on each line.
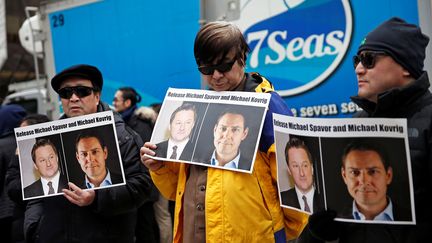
[323, 226]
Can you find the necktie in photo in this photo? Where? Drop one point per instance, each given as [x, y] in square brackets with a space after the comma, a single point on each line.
[50, 188]
[174, 152]
[307, 209]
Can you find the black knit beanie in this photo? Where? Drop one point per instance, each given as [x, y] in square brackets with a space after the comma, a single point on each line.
[404, 42]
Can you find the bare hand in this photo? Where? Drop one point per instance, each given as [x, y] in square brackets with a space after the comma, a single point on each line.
[78, 196]
[150, 163]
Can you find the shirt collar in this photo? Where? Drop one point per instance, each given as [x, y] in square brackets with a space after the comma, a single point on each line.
[232, 164]
[309, 197]
[179, 144]
[180, 147]
[54, 181]
[385, 215]
[106, 181]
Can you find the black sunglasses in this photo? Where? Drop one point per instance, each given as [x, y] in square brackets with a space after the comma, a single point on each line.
[80, 91]
[223, 68]
[367, 58]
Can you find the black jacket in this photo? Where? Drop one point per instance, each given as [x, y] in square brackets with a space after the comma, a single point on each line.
[112, 215]
[413, 102]
[143, 127]
[146, 227]
[7, 151]
[14, 190]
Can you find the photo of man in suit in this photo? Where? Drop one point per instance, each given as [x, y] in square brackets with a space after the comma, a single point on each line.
[228, 133]
[367, 174]
[300, 168]
[92, 154]
[46, 162]
[179, 145]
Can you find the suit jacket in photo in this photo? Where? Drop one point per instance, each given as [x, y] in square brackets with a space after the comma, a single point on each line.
[36, 189]
[289, 198]
[162, 148]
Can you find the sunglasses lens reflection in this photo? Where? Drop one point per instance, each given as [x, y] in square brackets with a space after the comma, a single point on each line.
[80, 91]
[367, 59]
[206, 70]
[222, 68]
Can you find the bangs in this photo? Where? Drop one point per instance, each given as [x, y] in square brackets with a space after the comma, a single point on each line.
[216, 40]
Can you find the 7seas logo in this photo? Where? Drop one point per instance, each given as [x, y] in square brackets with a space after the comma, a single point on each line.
[300, 44]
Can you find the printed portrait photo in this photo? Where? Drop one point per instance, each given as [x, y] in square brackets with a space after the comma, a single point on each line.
[178, 128]
[366, 178]
[42, 166]
[214, 129]
[92, 157]
[228, 137]
[82, 150]
[299, 172]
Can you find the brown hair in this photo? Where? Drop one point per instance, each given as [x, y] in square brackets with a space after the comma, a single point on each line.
[40, 143]
[216, 39]
[184, 107]
[295, 142]
[362, 145]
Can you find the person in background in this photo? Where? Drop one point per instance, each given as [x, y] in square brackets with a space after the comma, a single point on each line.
[13, 183]
[392, 83]
[222, 205]
[156, 107]
[164, 209]
[11, 115]
[106, 215]
[141, 120]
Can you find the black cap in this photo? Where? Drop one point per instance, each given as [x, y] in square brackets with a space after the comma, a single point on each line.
[404, 42]
[80, 71]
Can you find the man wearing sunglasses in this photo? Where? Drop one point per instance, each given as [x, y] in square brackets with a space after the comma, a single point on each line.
[392, 83]
[106, 215]
[220, 205]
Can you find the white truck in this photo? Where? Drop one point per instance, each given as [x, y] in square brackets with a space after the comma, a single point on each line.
[303, 46]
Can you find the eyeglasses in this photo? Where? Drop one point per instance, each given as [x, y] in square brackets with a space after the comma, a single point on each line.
[223, 68]
[367, 58]
[80, 91]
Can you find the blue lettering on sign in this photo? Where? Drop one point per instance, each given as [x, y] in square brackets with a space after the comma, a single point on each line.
[301, 47]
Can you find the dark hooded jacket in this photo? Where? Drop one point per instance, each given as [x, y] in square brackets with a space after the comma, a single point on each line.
[10, 118]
